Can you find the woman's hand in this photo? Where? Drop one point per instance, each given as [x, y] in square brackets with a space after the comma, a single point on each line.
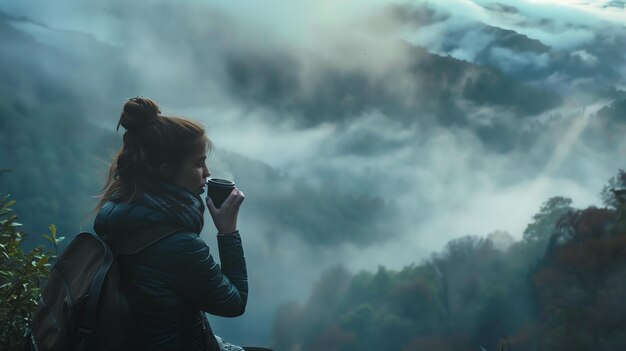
[225, 217]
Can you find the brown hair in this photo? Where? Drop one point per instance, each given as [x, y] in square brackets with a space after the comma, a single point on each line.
[150, 140]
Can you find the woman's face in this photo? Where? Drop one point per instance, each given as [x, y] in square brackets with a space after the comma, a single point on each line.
[194, 173]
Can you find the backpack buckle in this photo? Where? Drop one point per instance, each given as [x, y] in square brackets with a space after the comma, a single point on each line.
[84, 332]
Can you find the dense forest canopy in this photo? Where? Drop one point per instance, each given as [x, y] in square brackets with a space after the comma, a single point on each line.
[559, 288]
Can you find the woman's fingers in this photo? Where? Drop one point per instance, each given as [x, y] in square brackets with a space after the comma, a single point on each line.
[210, 205]
[239, 199]
[231, 198]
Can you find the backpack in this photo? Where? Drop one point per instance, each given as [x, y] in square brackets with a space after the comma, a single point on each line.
[82, 306]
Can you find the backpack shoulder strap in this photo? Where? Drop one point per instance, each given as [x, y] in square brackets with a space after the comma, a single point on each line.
[143, 238]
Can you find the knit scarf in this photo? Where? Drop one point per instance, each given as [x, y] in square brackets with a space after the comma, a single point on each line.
[179, 205]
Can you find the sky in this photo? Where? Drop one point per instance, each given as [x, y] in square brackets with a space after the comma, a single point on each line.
[372, 131]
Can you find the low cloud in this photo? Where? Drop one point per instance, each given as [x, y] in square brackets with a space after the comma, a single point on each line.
[364, 139]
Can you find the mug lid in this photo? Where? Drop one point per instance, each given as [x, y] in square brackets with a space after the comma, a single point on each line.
[221, 182]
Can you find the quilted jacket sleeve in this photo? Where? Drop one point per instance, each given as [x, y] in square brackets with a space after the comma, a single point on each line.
[219, 290]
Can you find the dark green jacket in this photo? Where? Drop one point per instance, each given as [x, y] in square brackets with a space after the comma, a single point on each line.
[171, 281]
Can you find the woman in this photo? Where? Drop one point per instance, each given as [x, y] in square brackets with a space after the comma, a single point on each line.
[156, 178]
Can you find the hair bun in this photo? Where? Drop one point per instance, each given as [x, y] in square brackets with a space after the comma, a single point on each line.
[137, 113]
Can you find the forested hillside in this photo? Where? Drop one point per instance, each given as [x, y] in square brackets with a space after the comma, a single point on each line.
[561, 287]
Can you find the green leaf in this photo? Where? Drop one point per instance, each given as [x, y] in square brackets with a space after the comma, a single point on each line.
[53, 230]
[5, 206]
